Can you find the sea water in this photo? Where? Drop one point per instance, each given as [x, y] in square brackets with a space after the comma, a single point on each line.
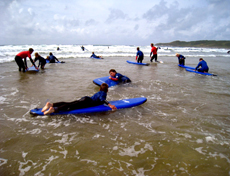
[182, 129]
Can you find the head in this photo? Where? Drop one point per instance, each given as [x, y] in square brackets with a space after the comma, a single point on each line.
[36, 54]
[92, 52]
[51, 54]
[138, 48]
[104, 87]
[31, 50]
[152, 44]
[112, 72]
[200, 59]
[177, 55]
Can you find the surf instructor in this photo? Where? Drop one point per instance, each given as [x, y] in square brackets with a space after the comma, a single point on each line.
[23, 55]
[153, 52]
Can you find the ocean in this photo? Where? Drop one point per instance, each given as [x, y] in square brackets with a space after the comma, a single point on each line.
[182, 129]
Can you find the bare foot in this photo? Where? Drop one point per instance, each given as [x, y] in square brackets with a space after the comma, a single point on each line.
[51, 110]
[47, 106]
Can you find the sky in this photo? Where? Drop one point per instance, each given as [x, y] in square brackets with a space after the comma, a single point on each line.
[112, 22]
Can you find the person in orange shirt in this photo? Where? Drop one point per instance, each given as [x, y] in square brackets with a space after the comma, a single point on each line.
[153, 52]
[24, 55]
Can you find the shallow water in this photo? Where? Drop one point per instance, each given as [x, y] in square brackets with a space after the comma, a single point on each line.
[182, 129]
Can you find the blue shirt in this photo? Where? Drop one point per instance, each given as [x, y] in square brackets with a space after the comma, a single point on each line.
[203, 65]
[99, 97]
[139, 53]
[52, 58]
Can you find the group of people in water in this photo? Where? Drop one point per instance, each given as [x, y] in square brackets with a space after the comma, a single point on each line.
[98, 98]
[22, 66]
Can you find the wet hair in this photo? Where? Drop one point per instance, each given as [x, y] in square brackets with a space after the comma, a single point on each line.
[104, 87]
[36, 54]
[138, 48]
[201, 59]
[152, 44]
[31, 49]
[51, 53]
[112, 70]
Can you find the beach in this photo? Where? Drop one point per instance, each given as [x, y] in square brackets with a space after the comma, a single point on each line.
[182, 129]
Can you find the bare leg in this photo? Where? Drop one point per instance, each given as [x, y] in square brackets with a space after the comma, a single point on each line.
[47, 106]
[51, 110]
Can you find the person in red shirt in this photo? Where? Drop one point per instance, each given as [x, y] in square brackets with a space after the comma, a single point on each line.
[24, 55]
[153, 52]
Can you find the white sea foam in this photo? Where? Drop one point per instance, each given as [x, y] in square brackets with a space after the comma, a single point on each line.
[8, 52]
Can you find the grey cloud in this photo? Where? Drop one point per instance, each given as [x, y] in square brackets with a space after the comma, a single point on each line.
[90, 22]
[115, 14]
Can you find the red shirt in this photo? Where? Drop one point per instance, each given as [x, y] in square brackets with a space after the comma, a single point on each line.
[154, 50]
[24, 54]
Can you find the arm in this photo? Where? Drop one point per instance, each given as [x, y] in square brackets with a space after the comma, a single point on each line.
[56, 58]
[114, 79]
[31, 60]
[197, 66]
[113, 107]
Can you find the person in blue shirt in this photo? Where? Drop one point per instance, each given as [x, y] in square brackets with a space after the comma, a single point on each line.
[139, 56]
[204, 67]
[52, 58]
[118, 77]
[181, 59]
[95, 56]
[98, 98]
[42, 61]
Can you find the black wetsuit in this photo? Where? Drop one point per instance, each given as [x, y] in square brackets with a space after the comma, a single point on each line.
[42, 61]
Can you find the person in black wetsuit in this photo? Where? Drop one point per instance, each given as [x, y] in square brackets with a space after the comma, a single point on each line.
[42, 61]
[97, 99]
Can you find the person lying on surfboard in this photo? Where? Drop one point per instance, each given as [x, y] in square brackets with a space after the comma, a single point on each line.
[95, 56]
[118, 77]
[98, 98]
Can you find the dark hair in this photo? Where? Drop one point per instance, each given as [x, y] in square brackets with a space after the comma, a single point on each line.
[138, 48]
[201, 59]
[112, 70]
[104, 87]
[31, 49]
[51, 53]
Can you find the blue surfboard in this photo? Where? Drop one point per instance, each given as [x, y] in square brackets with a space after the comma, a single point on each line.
[32, 69]
[131, 62]
[106, 80]
[185, 66]
[208, 74]
[120, 104]
[96, 58]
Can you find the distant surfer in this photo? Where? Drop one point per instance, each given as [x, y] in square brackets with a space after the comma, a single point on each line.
[98, 98]
[95, 56]
[153, 52]
[139, 56]
[23, 55]
[118, 77]
[58, 48]
[204, 67]
[42, 61]
[228, 52]
[83, 48]
[181, 59]
[52, 58]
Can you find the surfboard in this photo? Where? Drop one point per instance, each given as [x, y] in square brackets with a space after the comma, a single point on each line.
[96, 58]
[208, 74]
[47, 61]
[131, 62]
[185, 66]
[99, 81]
[32, 69]
[120, 104]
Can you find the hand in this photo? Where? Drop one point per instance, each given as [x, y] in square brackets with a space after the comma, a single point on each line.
[112, 107]
[109, 77]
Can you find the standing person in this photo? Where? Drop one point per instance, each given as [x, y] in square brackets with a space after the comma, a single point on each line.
[153, 52]
[139, 56]
[98, 98]
[23, 55]
[204, 67]
[52, 58]
[181, 59]
[42, 61]
[118, 77]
